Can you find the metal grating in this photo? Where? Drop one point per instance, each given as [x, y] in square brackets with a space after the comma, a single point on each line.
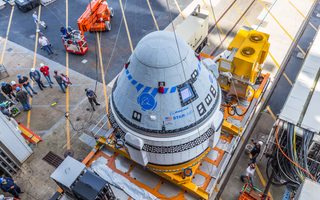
[53, 159]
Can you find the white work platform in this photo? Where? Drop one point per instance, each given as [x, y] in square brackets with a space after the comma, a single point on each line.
[301, 107]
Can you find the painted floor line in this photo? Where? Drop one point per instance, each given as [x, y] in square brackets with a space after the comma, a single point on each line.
[303, 15]
[33, 66]
[67, 89]
[282, 27]
[125, 23]
[154, 19]
[7, 35]
[179, 9]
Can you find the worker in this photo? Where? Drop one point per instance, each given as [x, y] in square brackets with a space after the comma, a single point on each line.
[5, 111]
[69, 29]
[249, 174]
[38, 22]
[45, 44]
[45, 71]
[8, 198]
[14, 85]
[22, 96]
[35, 76]
[7, 89]
[255, 151]
[60, 81]
[9, 185]
[25, 82]
[92, 98]
[63, 31]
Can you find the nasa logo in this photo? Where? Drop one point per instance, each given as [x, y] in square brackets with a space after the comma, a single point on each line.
[146, 101]
[210, 78]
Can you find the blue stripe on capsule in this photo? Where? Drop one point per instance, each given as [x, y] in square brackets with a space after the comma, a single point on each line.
[139, 87]
[134, 82]
[154, 92]
[173, 89]
[146, 89]
[166, 90]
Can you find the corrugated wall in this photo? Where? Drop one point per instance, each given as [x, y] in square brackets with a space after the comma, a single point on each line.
[12, 139]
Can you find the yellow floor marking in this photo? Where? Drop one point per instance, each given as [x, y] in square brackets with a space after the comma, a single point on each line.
[216, 189]
[103, 78]
[261, 177]
[154, 19]
[273, 116]
[5, 43]
[215, 20]
[125, 23]
[303, 15]
[179, 9]
[262, 180]
[241, 13]
[67, 89]
[281, 26]
[33, 66]
[285, 75]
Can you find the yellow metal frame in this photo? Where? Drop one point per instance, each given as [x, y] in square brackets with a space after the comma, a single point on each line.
[175, 174]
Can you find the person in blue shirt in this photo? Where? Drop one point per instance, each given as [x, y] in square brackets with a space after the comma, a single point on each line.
[92, 98]
[35, 76]
[4, 110]
[38, 22]
[63, 31]
[9, 185]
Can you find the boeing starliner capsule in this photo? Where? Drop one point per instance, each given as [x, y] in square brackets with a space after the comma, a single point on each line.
[165, 104]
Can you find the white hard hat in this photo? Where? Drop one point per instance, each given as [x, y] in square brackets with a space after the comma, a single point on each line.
[261, 143]
[32, 70]
[41, 64]
[12, 82]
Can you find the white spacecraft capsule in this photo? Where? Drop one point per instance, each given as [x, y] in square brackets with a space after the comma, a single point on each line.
[165, 102]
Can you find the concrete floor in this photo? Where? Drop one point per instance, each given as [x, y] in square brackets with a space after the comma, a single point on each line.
[51, 124]
[138, 19]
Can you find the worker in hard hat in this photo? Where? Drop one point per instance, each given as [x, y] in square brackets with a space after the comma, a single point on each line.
[92, 98]
[255, 151]
[5, 111]
[23, 97]
[9, 185]
[25, 83]
[7, 89]
[36, 76]
[249, 174]
[14, 85]
[69, 30]
[45, 71]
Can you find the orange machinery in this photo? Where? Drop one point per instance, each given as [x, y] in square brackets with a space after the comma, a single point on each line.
[251, 193]
[96, 18]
